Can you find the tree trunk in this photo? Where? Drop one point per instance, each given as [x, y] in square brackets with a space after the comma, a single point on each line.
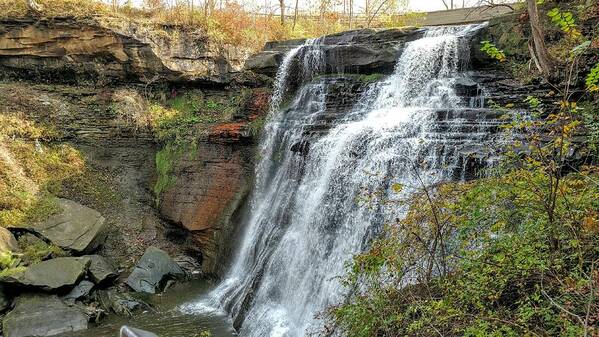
[538, 36]
[34, 6]
[351, 12]
[282, 3]
[295, 15]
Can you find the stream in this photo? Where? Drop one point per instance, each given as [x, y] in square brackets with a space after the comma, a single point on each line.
[167, 320]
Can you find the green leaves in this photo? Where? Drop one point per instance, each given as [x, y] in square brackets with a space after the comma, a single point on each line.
[592, 80]
[565, 21]
[490, 49]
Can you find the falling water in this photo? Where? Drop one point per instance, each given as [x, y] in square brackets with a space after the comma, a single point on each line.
[305, 221]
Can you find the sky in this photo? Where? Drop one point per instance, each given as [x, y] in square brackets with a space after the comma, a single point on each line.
[415, 5]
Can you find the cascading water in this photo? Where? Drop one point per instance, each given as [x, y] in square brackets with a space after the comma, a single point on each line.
[305, 221]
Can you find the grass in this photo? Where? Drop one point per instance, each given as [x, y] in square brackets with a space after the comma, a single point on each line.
[30, 169]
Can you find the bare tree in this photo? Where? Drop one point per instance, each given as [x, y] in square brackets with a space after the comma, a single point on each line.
[282, 5]
[295, 14]
[351, 12]
[537, 48]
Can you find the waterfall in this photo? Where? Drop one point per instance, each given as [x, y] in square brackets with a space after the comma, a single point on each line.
[306, 219]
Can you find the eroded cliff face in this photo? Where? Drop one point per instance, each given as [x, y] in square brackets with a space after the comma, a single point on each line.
[212, 182]
[70, 50]
[69, 74]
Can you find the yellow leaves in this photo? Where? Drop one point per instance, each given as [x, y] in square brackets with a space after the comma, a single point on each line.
[567, 105]
[396, 187]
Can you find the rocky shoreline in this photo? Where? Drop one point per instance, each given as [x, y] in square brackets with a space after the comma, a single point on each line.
[78, 288]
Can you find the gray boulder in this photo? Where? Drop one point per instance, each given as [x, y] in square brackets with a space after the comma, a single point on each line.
[42, 315]
[53, 274]
[8, 243]
[100, 270]
[122, 304]
[77, 228]
[81, 290]
[265, 62]
[153, 270]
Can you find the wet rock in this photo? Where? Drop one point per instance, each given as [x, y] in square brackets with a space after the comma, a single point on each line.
[81, 290]
[133, 332]
[190, 265]
[8, 243]
[209, 187]
[266, 62]
[363, 51]
[53, 274]
[77, 228]
[153, 270]
[101, 270]
[42, 315]
[121, 304]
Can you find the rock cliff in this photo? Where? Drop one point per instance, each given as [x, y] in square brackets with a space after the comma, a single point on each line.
[70, 50]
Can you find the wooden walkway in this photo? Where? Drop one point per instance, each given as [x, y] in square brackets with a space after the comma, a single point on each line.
[463, 15]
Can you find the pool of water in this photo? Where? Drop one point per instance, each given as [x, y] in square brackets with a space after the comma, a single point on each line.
[167, 320]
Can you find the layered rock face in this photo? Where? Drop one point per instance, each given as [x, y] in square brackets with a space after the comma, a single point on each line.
[69, 50]
[210, 187]
[362, 51]
[70, 54]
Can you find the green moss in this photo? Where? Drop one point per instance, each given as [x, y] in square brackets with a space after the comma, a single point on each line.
[92, 187]
[371, 77]
[256, 126]
[9, 272]
[189, 115]
[166, 160]
[36, 250]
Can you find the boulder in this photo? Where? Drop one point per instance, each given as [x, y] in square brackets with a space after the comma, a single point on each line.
[81, 290]
[190, 265]
[265, 62]
[100, 270]
[153, 270]
[42, 315]
[53, 274]
[8, 243]
[121, 304]
[77, 228]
